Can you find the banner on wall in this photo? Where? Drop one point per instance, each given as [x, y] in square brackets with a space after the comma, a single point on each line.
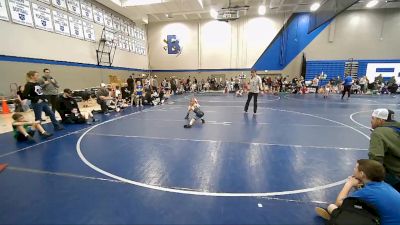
[74, 7]
[109, 36]
[124, 27]
[98, 15]
[61, 4]
[108, 23]
[3, 11]
[126, 43]
[116, 23]
[61, 25]
[387, 70]
[130, 30]
[21, 12]
[131, 45]
[76, 28]
[88, 31]
[42, 17]
[45, 1]
[86, 9]
[119, 41]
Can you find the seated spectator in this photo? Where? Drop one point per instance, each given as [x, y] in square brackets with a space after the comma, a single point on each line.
[24, 130]
[384, 145]
[120, 103]
[69, 109]
[369, 175]
[102, 98]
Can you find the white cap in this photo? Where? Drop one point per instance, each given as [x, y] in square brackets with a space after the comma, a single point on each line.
[102, 85]
[384, 114]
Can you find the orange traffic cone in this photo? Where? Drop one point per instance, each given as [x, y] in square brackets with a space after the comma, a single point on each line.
[5, 107]
[2, 166]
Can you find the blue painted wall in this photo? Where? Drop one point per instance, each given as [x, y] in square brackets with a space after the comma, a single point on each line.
[290, 41]
[334, 68]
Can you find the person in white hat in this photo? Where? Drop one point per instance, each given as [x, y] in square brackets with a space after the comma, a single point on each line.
[384, 145]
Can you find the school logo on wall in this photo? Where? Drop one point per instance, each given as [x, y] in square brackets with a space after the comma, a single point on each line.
[173, 47]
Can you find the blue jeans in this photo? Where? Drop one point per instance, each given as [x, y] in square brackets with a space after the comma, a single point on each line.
[43, 106]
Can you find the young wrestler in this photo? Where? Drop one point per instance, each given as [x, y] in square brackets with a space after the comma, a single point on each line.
[194, 113]
[24, 130]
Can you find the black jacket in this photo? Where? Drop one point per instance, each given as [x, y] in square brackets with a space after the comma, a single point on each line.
[65, 105]
[33, 92]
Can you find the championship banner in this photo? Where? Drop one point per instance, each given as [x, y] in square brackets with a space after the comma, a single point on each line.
[98, 15]
[3, 11]
[109, 37]
[61, 4]
[130, 30]
[108, 21]
[45, 1]
[116, 23]
[131, 45]
[86, 9]
[74, 7]
[42, 17]
[124, 27]
[119, 41]
[21, 12]
[75, 26]
[61, 25]
[125, 43]
[88, 31]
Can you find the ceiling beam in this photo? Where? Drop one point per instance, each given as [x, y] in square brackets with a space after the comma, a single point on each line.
[184, 16]
[155, 16]
[199, 15]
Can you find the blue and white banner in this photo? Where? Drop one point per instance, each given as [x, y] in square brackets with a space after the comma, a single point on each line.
[116, 23]
[109, 37]
[76, 27]
[86, 9]
[88, 31]
[3, 11]
[61, 4]
[42, 17]
[98, 15]
[124, 27]
[108, 23]
[74, 7]
[387, 70]
[61, 25]
[45, 1]
[21, 12]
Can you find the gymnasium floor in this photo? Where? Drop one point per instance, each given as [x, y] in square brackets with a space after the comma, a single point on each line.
[143, 167]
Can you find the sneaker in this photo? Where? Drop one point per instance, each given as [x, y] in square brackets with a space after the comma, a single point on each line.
[203, 121]
[29, 138]
[245, 111]
[95, 120]
[322, 213]
[46, 135]
[187, 126]
[58, 128]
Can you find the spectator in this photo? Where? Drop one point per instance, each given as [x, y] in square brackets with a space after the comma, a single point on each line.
[24, 130]
[377, 193]
[348, 81]
[384, 145]
[50, 88]
[102, 98]
[33, 91]
[69, 109]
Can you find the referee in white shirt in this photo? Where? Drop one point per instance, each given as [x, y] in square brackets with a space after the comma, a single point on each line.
[255, 87]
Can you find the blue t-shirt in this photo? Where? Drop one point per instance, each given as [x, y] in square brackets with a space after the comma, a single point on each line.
[384, 198]
[348, 80]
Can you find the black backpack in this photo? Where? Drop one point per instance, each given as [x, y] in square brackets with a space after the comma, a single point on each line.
[354, 211]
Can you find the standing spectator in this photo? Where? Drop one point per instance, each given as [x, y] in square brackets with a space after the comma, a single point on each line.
[50, 88]
[255, 87]
[384, 145]
[129, 82]
[348, 81]
[363, 84]
[33, 91]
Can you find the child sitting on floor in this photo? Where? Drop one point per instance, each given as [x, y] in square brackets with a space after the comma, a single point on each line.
[24, 130]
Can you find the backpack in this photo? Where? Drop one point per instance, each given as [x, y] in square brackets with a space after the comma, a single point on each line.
[354, 211]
